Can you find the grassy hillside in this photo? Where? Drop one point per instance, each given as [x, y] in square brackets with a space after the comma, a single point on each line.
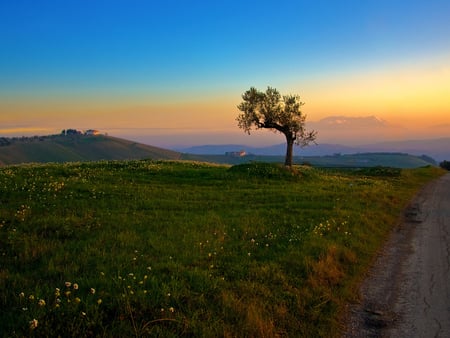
[72, 148]
[173, 249]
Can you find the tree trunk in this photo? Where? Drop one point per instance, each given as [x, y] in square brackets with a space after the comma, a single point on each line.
[289, 151]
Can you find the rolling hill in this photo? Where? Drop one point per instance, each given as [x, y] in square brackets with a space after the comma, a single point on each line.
[71, 148]
[81, 148]
[438, 149]
[360, 160]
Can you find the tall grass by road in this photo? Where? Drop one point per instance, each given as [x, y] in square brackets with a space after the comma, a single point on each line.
[170, 249]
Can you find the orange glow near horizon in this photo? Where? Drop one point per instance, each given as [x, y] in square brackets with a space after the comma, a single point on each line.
[411, 97]
[407, 96]
[113, 113]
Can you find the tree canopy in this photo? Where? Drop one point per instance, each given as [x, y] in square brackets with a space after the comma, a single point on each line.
[271, 110]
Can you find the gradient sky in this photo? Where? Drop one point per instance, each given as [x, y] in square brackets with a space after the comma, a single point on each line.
[172, 72]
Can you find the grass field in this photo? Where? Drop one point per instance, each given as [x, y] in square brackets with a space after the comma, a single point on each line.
[170, 249]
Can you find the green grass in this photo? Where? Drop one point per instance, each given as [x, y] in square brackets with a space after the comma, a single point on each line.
[170, 249]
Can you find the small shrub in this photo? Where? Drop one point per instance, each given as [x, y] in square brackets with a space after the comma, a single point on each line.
[264, 170]
[445, 165]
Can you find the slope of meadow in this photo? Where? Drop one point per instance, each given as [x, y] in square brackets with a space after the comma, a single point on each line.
[58, 148]
[172, 249]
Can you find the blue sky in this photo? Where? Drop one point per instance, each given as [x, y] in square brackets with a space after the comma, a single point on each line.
[113, 59]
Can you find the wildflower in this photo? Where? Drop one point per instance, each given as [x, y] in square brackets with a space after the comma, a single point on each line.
[31, 297]
[171, 309]
[92, 291]
[77, 300]
[33, 324]
[83, 313]
[57, 292]
[99, 301]
[41, 302]
[68, 284]
[75, 286]
[102, 273]
[22, 295]
[68, 293]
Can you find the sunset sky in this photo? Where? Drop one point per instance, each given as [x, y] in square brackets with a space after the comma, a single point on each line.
[171, 73]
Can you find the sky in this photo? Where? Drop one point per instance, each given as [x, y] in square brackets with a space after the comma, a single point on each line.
[171, 73]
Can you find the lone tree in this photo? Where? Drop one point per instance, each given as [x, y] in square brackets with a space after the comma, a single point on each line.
[279, 113]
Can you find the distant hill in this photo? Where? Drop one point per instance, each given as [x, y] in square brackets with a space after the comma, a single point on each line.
[438, 149]
[274, 150]
[396, 160]
[79, 147]
[69, 148]
[361, 160]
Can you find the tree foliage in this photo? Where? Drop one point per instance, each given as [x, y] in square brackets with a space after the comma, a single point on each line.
[445, 165]
[271, 110]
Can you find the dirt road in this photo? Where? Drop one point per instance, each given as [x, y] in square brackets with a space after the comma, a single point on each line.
[407, 293]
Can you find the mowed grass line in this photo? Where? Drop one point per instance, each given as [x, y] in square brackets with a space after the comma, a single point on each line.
[169, 249]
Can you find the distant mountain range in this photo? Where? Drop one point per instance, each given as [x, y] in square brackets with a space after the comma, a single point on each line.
[438, 149]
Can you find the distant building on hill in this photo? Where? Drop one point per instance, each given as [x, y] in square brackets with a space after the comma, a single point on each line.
[91, 132]
[241, 153]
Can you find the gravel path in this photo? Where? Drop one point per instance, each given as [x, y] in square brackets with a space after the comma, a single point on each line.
[407, 293]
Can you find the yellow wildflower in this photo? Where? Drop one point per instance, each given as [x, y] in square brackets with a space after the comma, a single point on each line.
[33, 324]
